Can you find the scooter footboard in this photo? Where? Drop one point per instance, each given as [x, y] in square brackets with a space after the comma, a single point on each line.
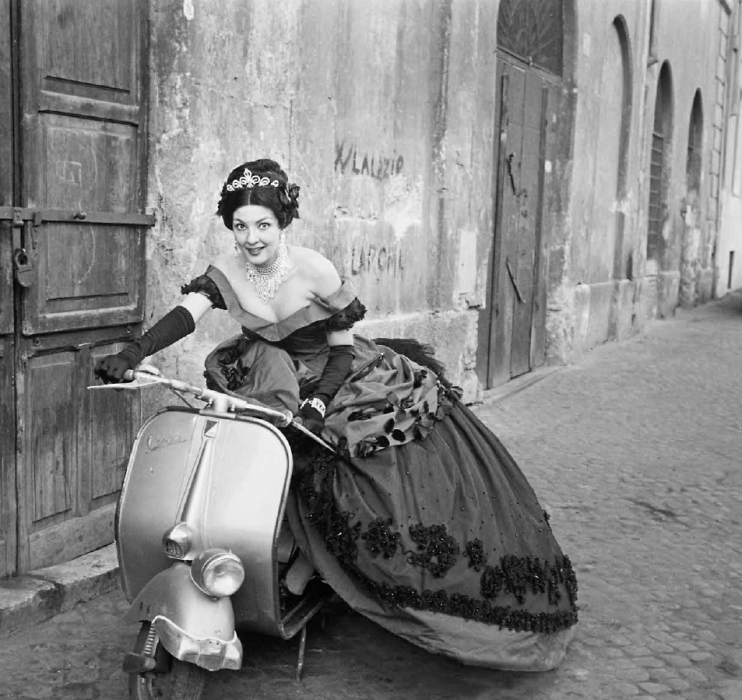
[191, 626]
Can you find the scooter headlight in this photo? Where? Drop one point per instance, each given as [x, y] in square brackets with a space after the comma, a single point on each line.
[217, 573]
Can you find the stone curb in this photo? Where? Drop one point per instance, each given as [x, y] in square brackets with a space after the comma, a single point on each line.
[515, 386]
[43, 593]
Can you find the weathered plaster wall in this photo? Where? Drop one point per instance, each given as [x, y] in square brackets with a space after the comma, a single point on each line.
[557, 222]
[381, 112]
[614, 288]
[729, 272]
[689, 38]
[605, 198]
[384, 114]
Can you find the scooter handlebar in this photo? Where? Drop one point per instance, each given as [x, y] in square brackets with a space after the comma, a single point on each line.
[219, 401]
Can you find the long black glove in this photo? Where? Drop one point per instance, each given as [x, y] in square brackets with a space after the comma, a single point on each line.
[313, 408]
[173, 326]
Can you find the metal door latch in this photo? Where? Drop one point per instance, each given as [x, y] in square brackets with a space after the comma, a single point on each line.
[511, 157]
[514, 282]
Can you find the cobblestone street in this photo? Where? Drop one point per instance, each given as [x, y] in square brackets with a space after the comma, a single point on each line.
[635, 451]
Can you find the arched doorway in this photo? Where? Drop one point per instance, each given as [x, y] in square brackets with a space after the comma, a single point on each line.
[530, 68]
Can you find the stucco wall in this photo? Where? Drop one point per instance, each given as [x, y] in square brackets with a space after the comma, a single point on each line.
[615, 288]
[603, 212]
[380, 111]
[383, 113]
[689, 38]
[729, 271]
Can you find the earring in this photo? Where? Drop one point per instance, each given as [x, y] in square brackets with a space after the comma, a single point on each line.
[236, 250]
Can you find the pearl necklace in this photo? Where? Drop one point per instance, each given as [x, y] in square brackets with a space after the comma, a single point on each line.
[268, 278]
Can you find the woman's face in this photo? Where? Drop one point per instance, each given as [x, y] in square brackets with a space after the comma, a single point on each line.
[257, 233]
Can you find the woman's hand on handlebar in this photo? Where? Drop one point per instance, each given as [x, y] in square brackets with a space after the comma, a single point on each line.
[312, 414]
[112, 369]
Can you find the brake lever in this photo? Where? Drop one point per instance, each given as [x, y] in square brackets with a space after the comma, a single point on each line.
[134, 384]
[310, 434]
[133, 381]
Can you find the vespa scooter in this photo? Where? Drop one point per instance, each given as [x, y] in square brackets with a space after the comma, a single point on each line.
[202, 541]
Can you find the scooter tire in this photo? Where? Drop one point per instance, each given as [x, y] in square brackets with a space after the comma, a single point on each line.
[182, 681]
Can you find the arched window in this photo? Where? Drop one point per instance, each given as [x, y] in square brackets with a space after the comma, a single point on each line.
[622, 268]
[609, 182]
[532, 30]
[695, 142]
[659, 161]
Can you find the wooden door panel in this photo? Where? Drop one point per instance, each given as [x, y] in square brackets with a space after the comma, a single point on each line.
[8, 525]
[6, 278]
[90, 165]
[86, 54]
[512, 330]
[82, 102]
[506, 292]
[529, 198]
[6, 171]
[115, 415]
[549, 101]
[76, 444]
[8, 522]
[49, 446]
[82, 155]
[65, 540]
[487, 315]
[89, 275]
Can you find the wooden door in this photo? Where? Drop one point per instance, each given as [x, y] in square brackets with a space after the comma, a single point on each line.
[512, 330]
[7, 404]
[80, 106]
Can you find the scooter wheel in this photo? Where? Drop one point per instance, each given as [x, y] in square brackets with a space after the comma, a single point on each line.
[171, 680]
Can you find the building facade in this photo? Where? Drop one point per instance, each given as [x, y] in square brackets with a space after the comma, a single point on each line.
[510, 181]
[729, 245]
[513, 182]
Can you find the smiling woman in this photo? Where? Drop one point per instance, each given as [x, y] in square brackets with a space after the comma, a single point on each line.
[420, 519]
[261, 241]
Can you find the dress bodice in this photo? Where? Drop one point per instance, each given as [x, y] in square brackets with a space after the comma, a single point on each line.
[303, 333]
[386, 400]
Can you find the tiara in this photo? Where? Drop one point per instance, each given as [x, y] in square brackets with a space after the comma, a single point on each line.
[248, 180]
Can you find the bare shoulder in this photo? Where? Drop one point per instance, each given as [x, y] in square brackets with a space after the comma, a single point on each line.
[321, 275]
[226, 264]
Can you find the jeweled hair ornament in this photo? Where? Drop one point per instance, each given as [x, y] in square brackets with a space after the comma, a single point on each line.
[247, 181]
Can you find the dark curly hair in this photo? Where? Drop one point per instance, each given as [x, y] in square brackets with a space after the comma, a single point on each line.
[281, 200]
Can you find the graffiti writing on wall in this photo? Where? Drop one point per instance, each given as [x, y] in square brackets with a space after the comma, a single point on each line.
[370, 258]
[349, 160]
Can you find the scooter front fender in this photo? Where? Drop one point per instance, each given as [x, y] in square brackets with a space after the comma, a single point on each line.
[192, 626]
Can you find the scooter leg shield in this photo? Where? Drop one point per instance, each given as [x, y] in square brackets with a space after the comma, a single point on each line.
[192, 626]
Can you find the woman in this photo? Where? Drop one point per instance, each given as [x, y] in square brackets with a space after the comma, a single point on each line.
[422, 521]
